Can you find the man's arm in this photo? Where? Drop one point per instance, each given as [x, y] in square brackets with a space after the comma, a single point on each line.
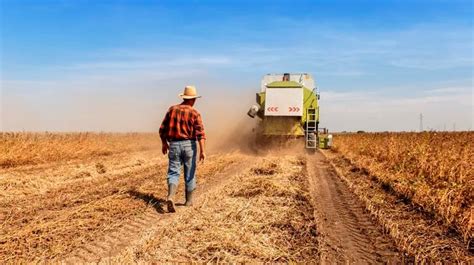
[202, 148]
[201, 136]
[164, 146]
[164, 133]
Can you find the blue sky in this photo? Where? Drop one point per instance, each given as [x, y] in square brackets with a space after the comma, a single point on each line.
[116, 65]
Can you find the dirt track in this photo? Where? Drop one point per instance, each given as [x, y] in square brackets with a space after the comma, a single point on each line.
[118, 216]
[347, 232]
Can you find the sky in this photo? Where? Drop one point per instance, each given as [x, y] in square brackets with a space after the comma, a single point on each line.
[75, 65]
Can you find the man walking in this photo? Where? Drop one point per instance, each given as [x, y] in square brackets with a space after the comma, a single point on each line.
[180, 129]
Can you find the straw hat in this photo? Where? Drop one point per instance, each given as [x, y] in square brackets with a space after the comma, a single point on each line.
[189, 93]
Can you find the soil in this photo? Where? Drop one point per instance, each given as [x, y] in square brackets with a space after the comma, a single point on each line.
[347, 232]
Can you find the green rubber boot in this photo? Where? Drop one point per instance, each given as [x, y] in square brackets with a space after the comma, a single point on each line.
[170, 198]
[189, 198]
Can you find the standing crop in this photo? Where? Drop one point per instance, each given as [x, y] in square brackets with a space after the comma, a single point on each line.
[435, 171]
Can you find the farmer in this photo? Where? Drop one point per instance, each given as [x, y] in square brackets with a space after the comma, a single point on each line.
[180, 129]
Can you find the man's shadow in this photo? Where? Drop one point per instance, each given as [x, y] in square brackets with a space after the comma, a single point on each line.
[150, 199]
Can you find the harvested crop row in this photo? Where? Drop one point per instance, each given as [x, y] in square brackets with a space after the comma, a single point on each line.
[49, 225]
[31, 180]
[264, 215]
[433, 170]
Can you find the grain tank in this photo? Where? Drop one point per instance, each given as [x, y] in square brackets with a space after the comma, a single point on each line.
[287, 105]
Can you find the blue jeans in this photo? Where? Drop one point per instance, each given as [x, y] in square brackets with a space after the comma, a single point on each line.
[182, 153]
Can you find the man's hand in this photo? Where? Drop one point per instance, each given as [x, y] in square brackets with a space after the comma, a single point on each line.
[164, 147]
[202, 153]
[202, 156]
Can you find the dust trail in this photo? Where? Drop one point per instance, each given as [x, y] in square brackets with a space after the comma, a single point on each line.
[226, 122]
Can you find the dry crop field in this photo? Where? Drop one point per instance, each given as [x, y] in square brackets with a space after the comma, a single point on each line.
[99, 197]
[84, 197]
[432, 170]
[37, 148]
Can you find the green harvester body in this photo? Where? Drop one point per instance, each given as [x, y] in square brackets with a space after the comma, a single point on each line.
[287, 125]
[288, 108]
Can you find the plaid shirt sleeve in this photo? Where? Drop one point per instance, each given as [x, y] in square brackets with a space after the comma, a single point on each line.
[199, 127]
[164, 128]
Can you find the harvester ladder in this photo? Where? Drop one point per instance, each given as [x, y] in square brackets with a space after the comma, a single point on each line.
[311, 127]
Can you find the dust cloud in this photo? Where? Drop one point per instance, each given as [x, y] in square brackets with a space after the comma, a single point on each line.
[226, 122]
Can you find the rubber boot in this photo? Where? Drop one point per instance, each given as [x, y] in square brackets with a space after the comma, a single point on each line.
[189, 198]
[170, 198]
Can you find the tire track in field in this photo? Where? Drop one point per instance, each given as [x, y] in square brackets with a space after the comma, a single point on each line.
[348, 234]
[423, 239]
[112, 243]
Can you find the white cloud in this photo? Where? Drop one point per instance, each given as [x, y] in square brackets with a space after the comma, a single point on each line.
[161, 63]
[430, 63]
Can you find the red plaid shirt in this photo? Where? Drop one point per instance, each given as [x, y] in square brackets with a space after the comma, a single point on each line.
[182, 122]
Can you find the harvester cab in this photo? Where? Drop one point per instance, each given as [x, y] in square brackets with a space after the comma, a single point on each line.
[288, 106]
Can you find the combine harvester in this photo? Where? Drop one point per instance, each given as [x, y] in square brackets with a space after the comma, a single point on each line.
[288, 108]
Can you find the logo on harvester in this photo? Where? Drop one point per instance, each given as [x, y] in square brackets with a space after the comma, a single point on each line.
[294, 109]
[272, 109]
